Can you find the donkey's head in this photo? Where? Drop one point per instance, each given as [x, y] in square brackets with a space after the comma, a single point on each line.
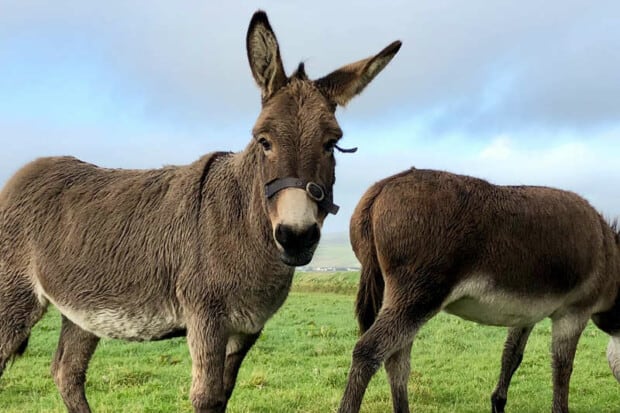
[295, 136]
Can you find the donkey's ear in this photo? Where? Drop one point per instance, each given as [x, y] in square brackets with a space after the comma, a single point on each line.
[264, 55]
[341, 85]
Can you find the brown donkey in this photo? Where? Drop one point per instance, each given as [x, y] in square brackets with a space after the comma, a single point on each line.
[497, 255]
[205, 250]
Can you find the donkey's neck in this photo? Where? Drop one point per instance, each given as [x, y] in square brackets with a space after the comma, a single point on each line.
[245, 166]
[234, 204]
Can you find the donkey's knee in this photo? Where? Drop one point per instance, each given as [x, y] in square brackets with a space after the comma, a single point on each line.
[67, 381]
[70, 377]
[75, 348]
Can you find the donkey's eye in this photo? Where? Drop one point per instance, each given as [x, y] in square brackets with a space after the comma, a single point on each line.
[329, 145]
[265, 144]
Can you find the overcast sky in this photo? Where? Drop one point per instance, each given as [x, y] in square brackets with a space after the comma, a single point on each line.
[516, 92]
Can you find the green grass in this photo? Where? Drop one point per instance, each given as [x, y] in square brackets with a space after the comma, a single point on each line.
[320, 282]
[301, 361]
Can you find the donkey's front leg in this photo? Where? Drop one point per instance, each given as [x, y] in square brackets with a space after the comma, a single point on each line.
[565, 333]
[207, 337]
[75, 348]
[236, 350]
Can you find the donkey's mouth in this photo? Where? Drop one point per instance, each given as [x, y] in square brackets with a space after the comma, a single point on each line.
[297, 246]
[299, 258]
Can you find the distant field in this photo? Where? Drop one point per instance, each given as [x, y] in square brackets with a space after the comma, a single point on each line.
[334, 250]
[333, 282]
[301, 361]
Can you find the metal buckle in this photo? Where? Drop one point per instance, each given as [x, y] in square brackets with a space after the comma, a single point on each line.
[315, 191]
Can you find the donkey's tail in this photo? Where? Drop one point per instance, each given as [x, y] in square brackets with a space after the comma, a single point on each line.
[613, 356]
[21, 349]
[371, 286]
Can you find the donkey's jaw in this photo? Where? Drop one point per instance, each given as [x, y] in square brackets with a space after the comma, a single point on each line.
[297, 260]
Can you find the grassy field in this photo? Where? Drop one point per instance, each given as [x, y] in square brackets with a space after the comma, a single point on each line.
[301, 361]
[334, 250]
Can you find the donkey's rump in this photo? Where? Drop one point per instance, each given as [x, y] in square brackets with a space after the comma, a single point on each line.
[455, 225]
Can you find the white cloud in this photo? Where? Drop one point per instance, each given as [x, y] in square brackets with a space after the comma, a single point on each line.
[489, 63]
[500, 149]
[471, 80]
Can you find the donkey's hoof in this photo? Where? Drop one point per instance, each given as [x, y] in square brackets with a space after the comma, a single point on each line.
[497, 404]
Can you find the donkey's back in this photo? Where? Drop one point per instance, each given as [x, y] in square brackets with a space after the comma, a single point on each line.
[498, 255]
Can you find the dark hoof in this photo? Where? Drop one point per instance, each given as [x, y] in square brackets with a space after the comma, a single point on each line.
[497, 404]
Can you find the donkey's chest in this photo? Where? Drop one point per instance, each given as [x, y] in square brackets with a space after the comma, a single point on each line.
[250, 309]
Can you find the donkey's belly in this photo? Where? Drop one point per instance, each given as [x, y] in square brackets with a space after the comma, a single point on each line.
[474, 301]
[136, 324]
[497, 315]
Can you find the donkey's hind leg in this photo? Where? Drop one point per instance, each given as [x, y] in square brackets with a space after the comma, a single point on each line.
[20, 310]
[398, 367]
[75, 348]
[511, 359]
[406, 308]
[391, 331]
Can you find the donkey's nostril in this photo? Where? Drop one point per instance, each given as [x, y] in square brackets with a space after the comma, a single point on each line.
[284, 234]
[295, 240]
[311, 235]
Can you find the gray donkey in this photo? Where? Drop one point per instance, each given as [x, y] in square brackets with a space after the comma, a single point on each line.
[205, 250]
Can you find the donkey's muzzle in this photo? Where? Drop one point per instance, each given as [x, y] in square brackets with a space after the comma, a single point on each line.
[298, 245]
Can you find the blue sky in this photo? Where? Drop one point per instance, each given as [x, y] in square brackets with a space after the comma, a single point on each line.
[517, 92]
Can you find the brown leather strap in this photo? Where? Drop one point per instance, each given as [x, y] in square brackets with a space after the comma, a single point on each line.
[323, 199]
[279, 184]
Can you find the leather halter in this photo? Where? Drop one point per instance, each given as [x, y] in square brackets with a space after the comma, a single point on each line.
[315, 191]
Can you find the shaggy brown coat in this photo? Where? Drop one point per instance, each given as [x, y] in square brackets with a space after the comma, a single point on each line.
[197, 249]
[498, 255]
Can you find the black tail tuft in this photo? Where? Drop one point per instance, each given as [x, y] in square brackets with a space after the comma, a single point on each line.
[22, 347]
[20, 350]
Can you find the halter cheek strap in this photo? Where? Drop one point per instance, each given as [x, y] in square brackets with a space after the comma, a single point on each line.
[315, 191]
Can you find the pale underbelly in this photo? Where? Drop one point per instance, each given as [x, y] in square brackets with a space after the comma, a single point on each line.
[476, 301]
[499, 314]
[119, 323]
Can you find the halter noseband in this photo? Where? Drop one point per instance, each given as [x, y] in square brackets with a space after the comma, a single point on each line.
[315, 191]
